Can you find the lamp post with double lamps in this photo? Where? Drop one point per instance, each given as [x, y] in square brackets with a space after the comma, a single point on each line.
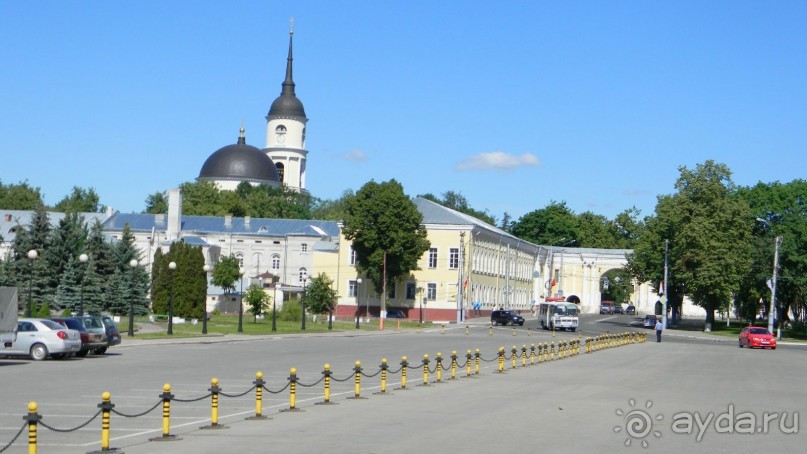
[133, 265]
[241, 272]
[171, 267]
[83, 258]
[32, 255]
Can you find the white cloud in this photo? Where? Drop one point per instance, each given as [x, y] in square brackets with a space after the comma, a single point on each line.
[497, 160]
[355, 155]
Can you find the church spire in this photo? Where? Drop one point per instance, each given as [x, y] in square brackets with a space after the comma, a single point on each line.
[288, 84]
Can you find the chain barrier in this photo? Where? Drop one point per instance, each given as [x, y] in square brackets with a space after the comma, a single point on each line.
[138, 414]
[15, 438]
[342, 380]
[371, 376]
[312, 384]
[278, 391]
[415, 367]
[42, 423]
[391, 371]
[495, 358]
[434, 369]
[222, 393]
[192, 400]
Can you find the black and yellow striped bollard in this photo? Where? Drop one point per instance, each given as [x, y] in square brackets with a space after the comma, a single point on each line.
[552, 352]
[514, 356]
[214, 405]
[453, 364]
[106, 407]
[357, 381]
[476, 361]
[468, 359]
[439, 367]
[532, 353]
[326, 378]
[425, 370]
[523, 355]
[166, 397]
[259, 382]
[404, 364]
[292, 390]
[32, 418]
[501, 360]
[384, 366]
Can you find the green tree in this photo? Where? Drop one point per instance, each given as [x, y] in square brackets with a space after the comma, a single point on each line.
[93, 288]
[20, 196]
[319, 295]
[79, 200]
[257, 300]
[332, 210]
[226, 273]
[456, 201]
[619, 288]
[156, 203]
[385, 227]
[547, 225]
[188, 281]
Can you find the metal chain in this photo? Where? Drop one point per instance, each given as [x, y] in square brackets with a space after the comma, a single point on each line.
[373, 375]
[237, 395]
[463, 364]
[14, 439]
[192, 400]
[447, 366]
[488, 360]
[416, 367]
[434, 369]
[42, 423]
[139, 414]
[312, 384]
[278, 391]
[390, 371]
[343, 379]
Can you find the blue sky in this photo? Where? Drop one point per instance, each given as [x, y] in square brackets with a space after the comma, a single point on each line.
[513, 104]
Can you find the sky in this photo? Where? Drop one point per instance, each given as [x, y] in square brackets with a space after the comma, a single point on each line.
[513, 104]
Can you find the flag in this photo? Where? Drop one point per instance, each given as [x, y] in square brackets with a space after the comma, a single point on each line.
[465, 284]
[660, 288]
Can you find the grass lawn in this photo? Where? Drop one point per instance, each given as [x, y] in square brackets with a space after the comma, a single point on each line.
[228, 324]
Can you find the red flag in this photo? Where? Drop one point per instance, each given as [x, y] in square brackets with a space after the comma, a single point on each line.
[465, 284]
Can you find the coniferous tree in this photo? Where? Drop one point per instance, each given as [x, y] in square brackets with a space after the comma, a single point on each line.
[116, 296]
[69, 290]
[93, 289]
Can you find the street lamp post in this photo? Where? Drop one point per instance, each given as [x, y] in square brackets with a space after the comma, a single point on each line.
[171, 267]
[772, 282]
[83, 259]
[274, 311]
[302, 305]
[206, 269]
[32, 255]
[133, 265]
[241, 272]
[358, 306]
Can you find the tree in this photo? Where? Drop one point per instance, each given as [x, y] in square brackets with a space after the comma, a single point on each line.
[458, 202]
[708, 227]
[257, 300]
[319, 295]
[188, 281]
[226, 273]
[385, 227]
[79, 200]
[156, 203]
[332, 210]
[20, 197]
[547, 225]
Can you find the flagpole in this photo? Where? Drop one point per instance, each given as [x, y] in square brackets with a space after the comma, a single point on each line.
[666, 298]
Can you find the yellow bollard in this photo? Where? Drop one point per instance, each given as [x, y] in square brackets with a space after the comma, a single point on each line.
[546, 352]
[529, 333]
[259, 382]
[106, 407]
[214, 405]
[466, 330]
[454, 365]
[403, 372]
[327, 379]
[166, 396]
[468, 357]
[532, 354]
[384, 375]
[514, 356]
[552, 352]
[523, 355]
[514, 331]
[443, 329]
[425, 370]
[501, 360]
[439, 367]
[357, 387]
[292, 389]
[476, 365]
[33, 419]
[490, 331]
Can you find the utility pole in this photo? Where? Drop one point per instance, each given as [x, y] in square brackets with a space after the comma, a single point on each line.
[773, 289]
[665, 298]
[460, 288]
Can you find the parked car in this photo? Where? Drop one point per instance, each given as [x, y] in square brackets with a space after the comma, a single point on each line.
[631, 310]
[104, 325]
[40, 338]
[618, 309]
[606, 307]
[755, 336]
[649, 321]
[502, 317]
[89, 341]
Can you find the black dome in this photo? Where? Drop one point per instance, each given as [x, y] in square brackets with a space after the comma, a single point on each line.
[287, 105]
[239, 162]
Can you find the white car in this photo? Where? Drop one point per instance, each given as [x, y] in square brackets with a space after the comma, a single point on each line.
[40, 338]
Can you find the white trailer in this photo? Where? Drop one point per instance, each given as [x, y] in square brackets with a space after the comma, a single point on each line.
[8, 316]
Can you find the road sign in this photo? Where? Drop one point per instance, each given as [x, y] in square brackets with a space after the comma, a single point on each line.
[663, 299]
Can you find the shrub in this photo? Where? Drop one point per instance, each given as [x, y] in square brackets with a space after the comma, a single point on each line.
[290, 311]
[43, 311]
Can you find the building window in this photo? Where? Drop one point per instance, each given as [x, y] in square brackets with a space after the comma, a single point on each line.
[303, 275]
[275, 261]
[304, 247]
[352, 257]
[280, 171]
[431, 291]
[240, 257]
[411, 290]
[432, 257]
[352, 289]
[453, 258]
[391, 291]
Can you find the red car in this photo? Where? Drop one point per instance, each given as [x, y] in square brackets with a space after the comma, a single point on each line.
[755, 336]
